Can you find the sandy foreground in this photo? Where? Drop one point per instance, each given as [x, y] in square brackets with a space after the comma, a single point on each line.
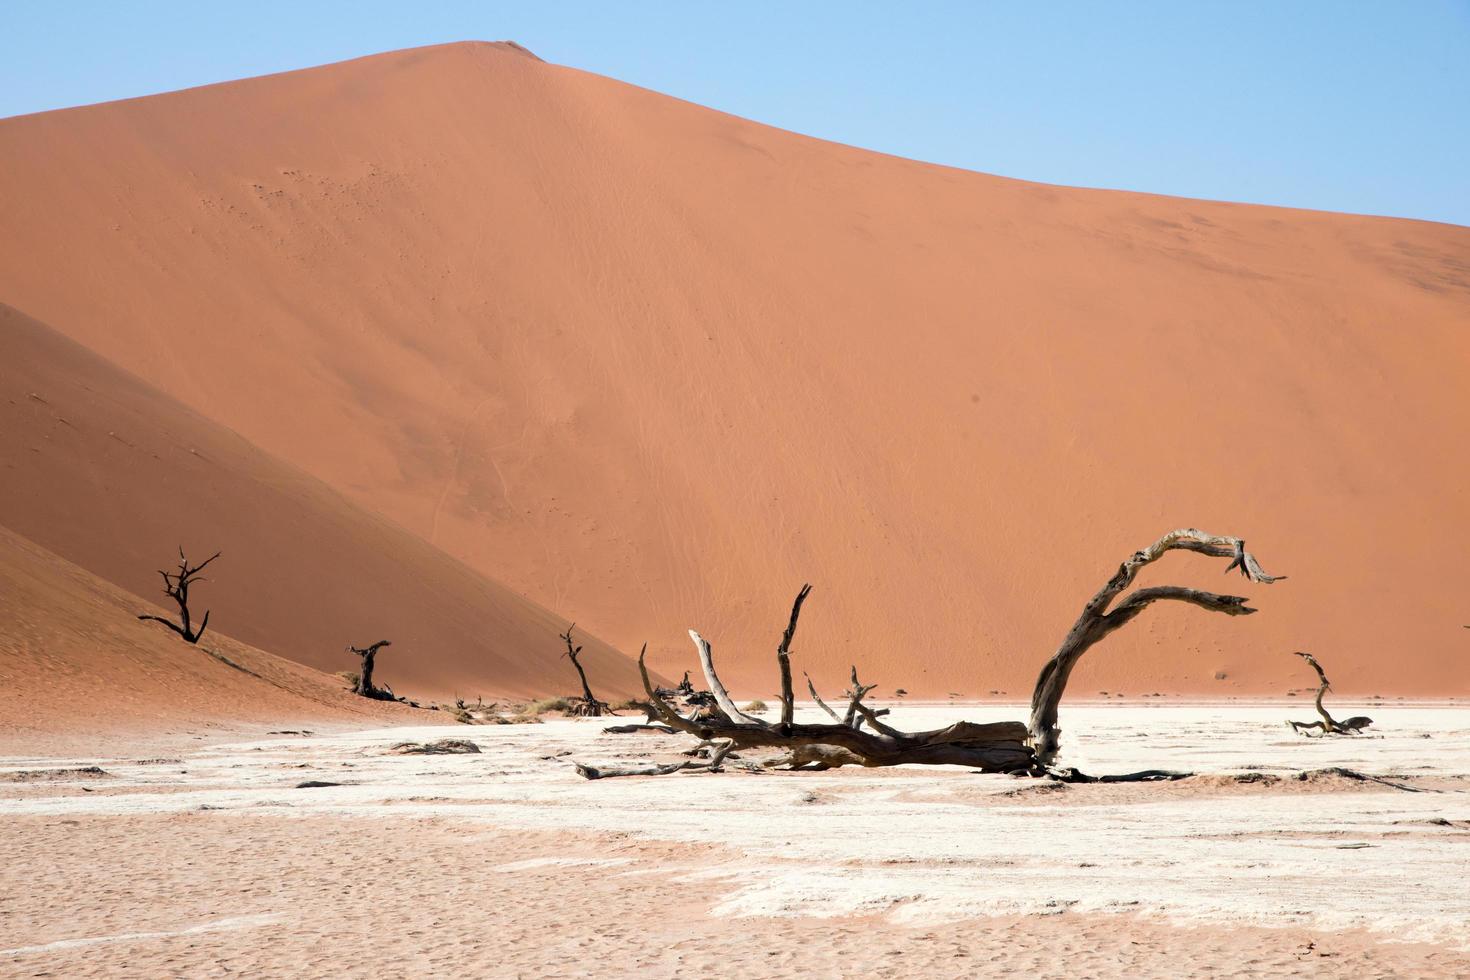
[213, 862]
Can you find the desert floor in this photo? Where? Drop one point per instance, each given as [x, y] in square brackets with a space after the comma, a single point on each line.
[212, 862]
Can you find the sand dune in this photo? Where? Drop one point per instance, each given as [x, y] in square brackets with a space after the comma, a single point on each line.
[113, 476]
[77, 667]
[655, 366]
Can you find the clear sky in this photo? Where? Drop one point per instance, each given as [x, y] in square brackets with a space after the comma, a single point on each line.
[1345, 105]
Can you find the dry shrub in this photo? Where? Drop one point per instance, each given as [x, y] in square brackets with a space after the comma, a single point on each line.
[523, 718]
[547, 704]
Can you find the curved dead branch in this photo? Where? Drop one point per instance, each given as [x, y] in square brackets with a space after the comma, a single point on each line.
[722, 696]
[818, 698]
[1096, 621]
[1328, 725]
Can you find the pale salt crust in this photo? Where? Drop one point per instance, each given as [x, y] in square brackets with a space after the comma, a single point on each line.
[919, 844]
[228, 924]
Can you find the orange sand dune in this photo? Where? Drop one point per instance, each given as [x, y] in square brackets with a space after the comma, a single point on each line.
[114, 476]
[76, 663]
[655, 366]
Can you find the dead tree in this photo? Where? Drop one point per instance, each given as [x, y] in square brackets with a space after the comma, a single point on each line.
[364, 685]
[1328, 725]
[1101, 616]
[686, 687]
[993, 748]
[176, 587]
[587, 706]
[684, 699]
[1006, 747]
[713, 764]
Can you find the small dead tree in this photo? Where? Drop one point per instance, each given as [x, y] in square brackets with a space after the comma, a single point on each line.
[586, 706]
[176, 587]
[364, 686]
[1328, 725]
[1007, 747]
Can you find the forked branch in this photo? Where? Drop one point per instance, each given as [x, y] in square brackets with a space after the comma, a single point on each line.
[176, 587]
[1097, 621]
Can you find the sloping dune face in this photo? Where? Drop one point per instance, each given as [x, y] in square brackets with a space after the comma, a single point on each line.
[75, 661]
[656, 366]
[114, 477]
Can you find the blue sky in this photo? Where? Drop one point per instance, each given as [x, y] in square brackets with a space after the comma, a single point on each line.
[1344, 105]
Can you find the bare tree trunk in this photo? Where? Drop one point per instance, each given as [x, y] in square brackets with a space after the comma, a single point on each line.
[364, 686]
[783, 660]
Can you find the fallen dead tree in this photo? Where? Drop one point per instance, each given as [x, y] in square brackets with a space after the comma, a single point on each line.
[683, 699]
[860, 736]
[711, 764]
[1328, 725]
[634, 729]
[445, 746]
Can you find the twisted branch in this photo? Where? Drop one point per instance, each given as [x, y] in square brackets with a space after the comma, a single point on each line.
[1328, 725]
[1096, 621]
